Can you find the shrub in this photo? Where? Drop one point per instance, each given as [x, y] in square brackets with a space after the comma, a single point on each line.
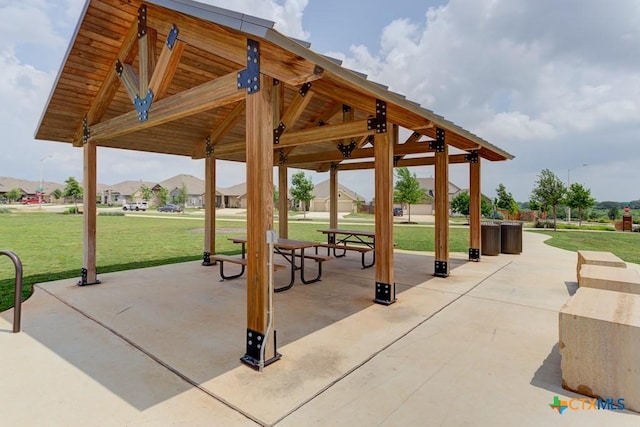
[115, 213]
[5, 210]
[72, 210]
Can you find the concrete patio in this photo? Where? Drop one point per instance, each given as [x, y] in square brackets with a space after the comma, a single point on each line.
[161, 346]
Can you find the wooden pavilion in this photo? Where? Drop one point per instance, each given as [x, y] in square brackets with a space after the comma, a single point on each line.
[184, 78]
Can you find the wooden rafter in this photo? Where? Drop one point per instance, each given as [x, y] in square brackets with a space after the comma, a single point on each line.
[129, 79]
[221, 91]
[110, 83]
[222, 128]
[146, 59]
[165, 69]
[307, 136]
[284, 66]
[296, 108]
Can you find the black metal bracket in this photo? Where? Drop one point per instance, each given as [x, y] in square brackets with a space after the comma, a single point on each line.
[119, 68]
[396, 159]
[277, 132]
[379, 123]
[206, 259]
[474, 254]
[208, 147]
[255, 341]
[143, 104]
[345, 108]
[172, 36]
[441, 269]
[334, 167]
[438, 144]
[385, 293]
[142, 21]
[249, 78]
[347, 149]
[282, 158]
[304, 89]
[472, 157]
[86, 132]
[83, 278]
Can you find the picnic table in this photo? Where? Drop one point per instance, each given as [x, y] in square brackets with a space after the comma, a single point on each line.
[344, 240]
[291, 250]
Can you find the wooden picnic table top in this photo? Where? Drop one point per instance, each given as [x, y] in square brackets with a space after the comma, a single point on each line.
[364, 233]
[288, 244]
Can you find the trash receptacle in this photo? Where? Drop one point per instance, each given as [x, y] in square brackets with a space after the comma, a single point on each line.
[511, 237]
[490, 235]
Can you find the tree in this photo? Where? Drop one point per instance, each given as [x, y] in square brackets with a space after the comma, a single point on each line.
[549, 192]
[407, 189]
[301, 190]
[182, 196]
[276, 196]
[163, 195]
[13, 194]
[57, 194]
[505, 200]
[146, 192]
[579, 198]
[461, 204]
[73, 190]
[613, 213]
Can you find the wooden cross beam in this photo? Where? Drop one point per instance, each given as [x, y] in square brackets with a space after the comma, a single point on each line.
[417, 161]
[213, 94]
[222, 128]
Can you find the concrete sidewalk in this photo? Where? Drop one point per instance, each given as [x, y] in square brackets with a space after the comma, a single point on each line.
[160, 346]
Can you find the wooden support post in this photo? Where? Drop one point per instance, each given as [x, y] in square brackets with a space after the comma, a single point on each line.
[385, 286]
[441, 205]
[89, 272]
[259, 122]
[209, 210]
[333, 196]
[475, 210]
[283, 201]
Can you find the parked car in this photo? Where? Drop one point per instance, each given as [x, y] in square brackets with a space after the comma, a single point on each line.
[30, 201]
[170, 208]
[136, 206]
[397, 212]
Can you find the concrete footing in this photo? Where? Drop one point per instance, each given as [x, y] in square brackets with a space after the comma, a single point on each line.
[599, 345]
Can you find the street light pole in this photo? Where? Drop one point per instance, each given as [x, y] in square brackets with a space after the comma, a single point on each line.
[569, 185]
[41, 188]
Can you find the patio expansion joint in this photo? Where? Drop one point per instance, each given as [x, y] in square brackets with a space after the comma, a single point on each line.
[388, 345]
[154, 358]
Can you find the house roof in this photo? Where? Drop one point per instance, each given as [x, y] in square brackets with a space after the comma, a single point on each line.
[235, 190]
[28, 187]
[194, 185]
[322, 190]
[127, 188]
[429, 184]
[196, 89]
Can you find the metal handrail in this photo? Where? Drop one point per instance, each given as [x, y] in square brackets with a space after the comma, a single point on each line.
[17, 304]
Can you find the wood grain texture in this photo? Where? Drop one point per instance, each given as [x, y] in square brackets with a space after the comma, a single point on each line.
[475, 214]
[90, 211]
[384, 207]
[441, 188]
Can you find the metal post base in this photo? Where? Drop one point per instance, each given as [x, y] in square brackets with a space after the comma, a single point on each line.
[385, 293]
[83, 279]
[474, 254]
[206, 259]
[441, 269]
[254, 344]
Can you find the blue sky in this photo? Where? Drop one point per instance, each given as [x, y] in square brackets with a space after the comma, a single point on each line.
[554, 83]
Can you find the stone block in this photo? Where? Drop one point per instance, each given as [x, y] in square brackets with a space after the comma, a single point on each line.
[598, 258]
[610, 278]
[600, 344]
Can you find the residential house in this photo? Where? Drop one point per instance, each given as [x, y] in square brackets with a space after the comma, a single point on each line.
[232, 197]
[30, 188]
[426, 207]
[123, 192]
[194, 187]
[348, 200]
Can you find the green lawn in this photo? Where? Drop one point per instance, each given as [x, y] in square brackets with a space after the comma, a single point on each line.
[50, 245]
[624, 245]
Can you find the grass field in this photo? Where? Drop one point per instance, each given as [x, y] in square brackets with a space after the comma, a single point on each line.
[624, 245]
[50, 245]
